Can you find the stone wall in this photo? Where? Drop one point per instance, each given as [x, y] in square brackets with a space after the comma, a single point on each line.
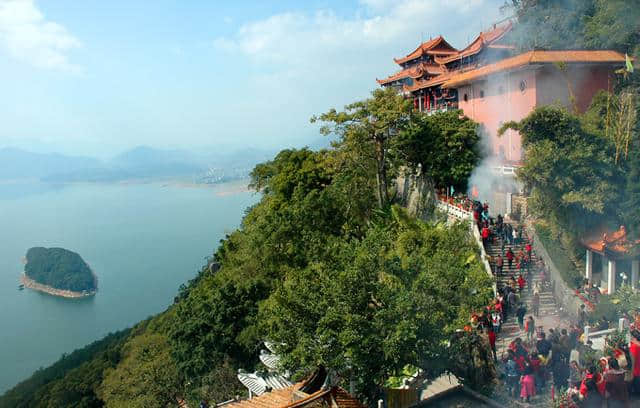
[416, 193]
[565, 297]
[519, 206]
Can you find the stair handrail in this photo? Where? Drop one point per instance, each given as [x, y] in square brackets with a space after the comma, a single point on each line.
[467, 216]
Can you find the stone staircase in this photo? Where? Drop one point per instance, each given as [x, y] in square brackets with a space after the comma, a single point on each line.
[548, 314]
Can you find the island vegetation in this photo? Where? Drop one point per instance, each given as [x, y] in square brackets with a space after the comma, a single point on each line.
[59, 272]
[331, 268]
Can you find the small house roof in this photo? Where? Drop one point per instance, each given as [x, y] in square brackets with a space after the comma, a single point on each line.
[615, 244]
[309, 392]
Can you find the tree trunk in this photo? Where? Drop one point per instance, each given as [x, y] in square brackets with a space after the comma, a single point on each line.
[381, 175]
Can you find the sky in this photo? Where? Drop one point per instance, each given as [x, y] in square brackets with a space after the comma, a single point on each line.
[97, 77]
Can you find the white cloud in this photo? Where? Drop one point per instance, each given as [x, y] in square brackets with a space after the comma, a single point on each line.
[303, 63]
[382, 26]
[26, 35]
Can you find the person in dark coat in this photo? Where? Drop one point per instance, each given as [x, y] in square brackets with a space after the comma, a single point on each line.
[618, 396]
[520, 312]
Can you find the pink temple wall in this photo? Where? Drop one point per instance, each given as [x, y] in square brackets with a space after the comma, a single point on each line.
[584, 81]
[502, 101]
[505, 100]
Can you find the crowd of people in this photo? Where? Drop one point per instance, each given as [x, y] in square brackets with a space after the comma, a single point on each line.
[585, 377]
[589, 377]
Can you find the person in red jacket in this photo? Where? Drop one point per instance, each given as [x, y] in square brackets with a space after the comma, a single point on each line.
[521, 282]
[492, 342]
[634, 350]
[485, 235]
[510, 255]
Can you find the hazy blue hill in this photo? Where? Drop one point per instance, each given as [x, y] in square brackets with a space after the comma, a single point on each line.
[59, 268]
[145, 156]
[139, 163]
[21, 164]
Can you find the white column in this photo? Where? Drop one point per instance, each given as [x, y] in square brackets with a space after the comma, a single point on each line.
[588, 273]
[622, 324]
[605, 272]
[611, 277]
[509, 204]
[635, 268]
[420, 103]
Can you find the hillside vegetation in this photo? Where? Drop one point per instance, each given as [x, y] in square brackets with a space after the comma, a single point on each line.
[322, 265]
[329, 267]
[60, 269]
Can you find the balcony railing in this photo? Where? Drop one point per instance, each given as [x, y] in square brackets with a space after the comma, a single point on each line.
[441, 108]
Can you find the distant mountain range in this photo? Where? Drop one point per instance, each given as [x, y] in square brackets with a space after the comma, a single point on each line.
[20, 164]
[142, 162]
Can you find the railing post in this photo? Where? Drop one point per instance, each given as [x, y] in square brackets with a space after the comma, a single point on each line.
[622, 324]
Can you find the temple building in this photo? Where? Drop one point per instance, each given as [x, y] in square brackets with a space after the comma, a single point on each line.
[612, 259]
[494, 83]
[420, 65]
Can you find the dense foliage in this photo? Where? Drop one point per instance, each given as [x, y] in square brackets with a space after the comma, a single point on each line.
[577, 24]
[445, 147]
[147, 375]
[578, 184]
[375, 305]
[368, 127]
[570, 172]
[367, 279]
[610, 308]
[59, 268]
[72, 380]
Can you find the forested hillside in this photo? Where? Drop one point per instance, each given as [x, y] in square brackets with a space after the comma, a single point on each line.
[326, 265]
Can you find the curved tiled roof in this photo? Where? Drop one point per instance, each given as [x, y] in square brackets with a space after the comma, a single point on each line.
[273, 399]
[484, 39]
[269, 360]
[291, 397]
[414, 72]
[428, 83]
[258, 383]
[535, 57]
[612, 242]
[425, 47]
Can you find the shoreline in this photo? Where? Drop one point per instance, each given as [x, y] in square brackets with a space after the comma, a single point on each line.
[69, 294]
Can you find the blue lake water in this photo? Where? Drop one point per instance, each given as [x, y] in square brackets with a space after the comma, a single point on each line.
[141, 240]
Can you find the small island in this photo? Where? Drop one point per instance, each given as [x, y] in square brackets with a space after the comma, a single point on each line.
[58, 272]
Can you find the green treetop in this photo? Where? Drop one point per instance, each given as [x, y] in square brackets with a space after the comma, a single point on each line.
[60, 269]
